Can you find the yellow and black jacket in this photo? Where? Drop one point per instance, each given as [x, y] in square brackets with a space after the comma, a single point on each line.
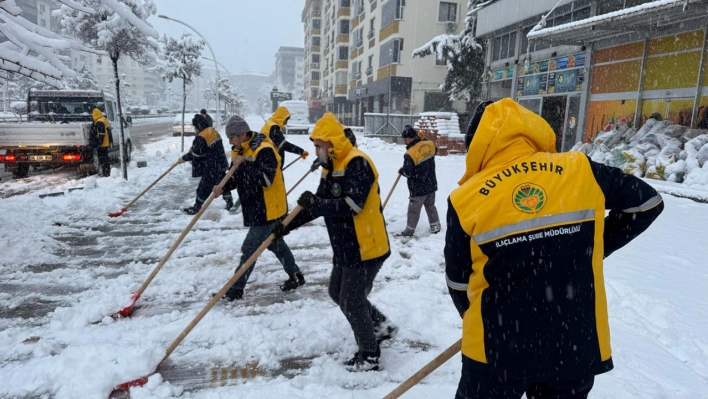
[259, 182]
[273, 129]
[419, 167]
[207, 155]
[101, 129]
[525, 244]
[348, 198]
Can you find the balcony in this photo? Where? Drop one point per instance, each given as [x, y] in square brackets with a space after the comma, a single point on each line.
[315, 65]
[340, 90]
[383, 72]
[316, 32]
[315, 49]
[342, 65]
[388, 30]
[357, 76]
[314, 83]
[354, 54]
[355, 22]
[369, 71]
[341, 38]
[370, 35]
[352, 84]
[342, 12]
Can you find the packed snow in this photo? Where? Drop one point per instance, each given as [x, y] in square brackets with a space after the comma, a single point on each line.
[65, 252]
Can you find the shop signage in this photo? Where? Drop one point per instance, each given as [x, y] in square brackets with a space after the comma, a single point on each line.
[504, 74]
[280, 96]
[557, 75]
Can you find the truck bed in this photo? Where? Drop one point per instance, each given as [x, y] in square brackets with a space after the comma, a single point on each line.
[39, 134]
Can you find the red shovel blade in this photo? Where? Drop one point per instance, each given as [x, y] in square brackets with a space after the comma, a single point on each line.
[127, 385]
[125, 312]
[116, 214]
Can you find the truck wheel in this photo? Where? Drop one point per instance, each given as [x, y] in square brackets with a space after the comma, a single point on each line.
[21, 172]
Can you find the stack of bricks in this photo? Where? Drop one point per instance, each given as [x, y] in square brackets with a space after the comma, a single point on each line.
[437, 128]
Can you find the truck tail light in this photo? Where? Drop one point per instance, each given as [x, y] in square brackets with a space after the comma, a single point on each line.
[10, 158]
[2, 158]
[71, 157]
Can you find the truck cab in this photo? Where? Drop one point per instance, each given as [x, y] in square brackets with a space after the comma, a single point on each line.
[57, 132]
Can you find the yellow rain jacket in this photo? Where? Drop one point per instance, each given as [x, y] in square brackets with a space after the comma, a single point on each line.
[348, 198]
[525, 245]
[101, 128]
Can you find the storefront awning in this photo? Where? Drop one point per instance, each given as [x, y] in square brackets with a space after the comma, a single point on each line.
[655, 16]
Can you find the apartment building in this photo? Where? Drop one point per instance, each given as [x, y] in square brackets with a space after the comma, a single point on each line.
[335, 57]
[383, 75]
[313, 64]
[289, 67]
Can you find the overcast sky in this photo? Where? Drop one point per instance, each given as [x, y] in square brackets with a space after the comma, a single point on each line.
[245, 34]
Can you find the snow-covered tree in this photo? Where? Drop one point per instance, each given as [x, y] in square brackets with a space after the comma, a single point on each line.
[24, 39]
[18, 108]
[181, 57]
[118, 27]
[230, 95]
[84, 80]
[463, 54]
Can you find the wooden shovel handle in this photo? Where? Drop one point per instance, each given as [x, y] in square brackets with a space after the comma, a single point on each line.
[391, 192]
[291, 163]
[151, 185]
[241, 270]
[425, 371]
[185, 231]
[312, 169]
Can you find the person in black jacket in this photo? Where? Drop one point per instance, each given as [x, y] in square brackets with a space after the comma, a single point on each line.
[101, 139]
[524, 249]
[260, 186]
[208, 162]
[273, 129]
[419, 169]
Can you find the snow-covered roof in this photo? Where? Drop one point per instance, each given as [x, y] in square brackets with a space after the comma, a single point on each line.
[651, 16]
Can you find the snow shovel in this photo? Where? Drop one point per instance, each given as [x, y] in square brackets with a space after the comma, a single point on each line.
[291, 163]
[425, 371]
[391, 192]
[241, 270]
[313, 168]
[136, 295]
[116, 214]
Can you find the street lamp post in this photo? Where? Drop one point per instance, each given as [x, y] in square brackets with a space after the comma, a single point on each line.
[218, 103]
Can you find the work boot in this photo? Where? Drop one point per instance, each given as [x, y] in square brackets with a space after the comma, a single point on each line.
[385, 331]
[364, 361]
[435, 228]
[191, 210]
[229, 203]
[233, 294]
[295, 281]
[406, 233]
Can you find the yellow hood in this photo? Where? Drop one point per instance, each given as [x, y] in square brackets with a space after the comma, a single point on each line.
[329, 129]
[98, 115]
[507, 132]
[278, 118]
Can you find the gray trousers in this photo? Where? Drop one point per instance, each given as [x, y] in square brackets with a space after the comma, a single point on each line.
[254, 238]
[349, 287]
[414, 207]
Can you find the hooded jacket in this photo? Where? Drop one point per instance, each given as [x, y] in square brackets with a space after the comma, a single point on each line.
[349, 200]
[207, 155]
[525, 244]
[273, 129]
[101, 129]
[419, 167]
[259, 182]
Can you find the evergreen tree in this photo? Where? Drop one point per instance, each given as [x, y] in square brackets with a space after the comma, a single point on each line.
[84, 80]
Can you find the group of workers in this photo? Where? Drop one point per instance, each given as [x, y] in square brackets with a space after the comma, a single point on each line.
[526, 235]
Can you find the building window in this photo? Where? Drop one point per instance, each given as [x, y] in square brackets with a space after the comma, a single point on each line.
[315, 41]
[573, 12]
[390, 52]
[358, 38]
[344, 3]
[440, 62]
[315, 75]
[391, 11]
[315, 58]
[316, 23]
[447, 12]
[343, 53]
[43, 22]
[504, 46]
[344, 27]
[370, 68]
[372, 27]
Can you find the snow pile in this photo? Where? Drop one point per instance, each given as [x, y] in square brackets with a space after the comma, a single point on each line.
[658, 150]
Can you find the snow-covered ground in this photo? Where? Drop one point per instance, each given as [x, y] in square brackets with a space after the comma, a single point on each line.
[65, 253]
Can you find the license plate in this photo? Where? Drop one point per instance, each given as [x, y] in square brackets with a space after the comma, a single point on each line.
[40, 157]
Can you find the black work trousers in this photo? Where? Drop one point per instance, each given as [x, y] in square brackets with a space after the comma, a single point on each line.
[478, 385]
[205, 187]
[103, 161]
[349, 288]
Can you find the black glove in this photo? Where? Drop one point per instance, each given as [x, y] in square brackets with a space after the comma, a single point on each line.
[306, 200]
[400, 172]
[279, 230]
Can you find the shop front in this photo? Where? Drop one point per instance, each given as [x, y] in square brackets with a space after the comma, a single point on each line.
[374, 98]
[552, 89]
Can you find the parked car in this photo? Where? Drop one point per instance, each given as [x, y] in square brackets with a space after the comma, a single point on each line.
[299, 114]
[177, 125]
